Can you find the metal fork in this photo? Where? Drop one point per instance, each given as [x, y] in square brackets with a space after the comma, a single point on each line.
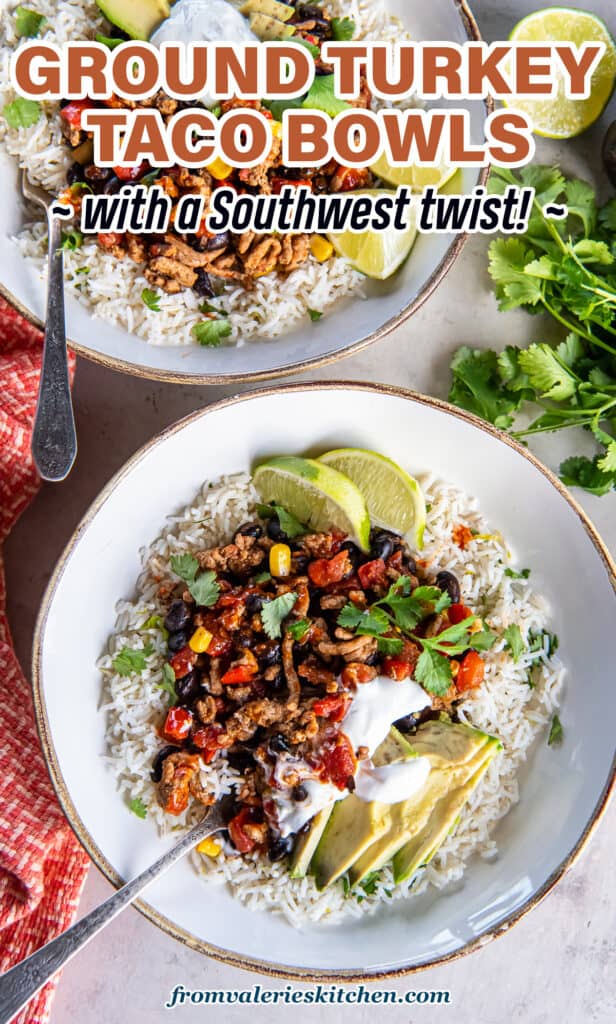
[54, 441]
[18, 985]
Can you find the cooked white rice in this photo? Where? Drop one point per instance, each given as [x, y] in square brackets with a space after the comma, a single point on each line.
[103, 283]
[506, 705]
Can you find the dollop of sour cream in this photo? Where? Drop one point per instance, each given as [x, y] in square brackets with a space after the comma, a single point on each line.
[203, 21]
[373, 710]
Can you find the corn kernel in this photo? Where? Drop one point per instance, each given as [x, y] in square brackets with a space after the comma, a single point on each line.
[200, 640]
[277, 129]
[280, 560]
[209, 847]
[219, 169]
[320, 248]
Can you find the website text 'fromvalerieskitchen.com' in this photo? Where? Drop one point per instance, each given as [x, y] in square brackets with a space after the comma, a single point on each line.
[317, 995]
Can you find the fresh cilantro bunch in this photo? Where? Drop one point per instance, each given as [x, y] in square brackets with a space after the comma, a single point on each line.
[568, 269]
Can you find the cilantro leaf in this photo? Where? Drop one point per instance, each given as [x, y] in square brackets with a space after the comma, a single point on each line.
[263, 577]
[370, 622]
[483, 641]
[137, 806]
[523, 574]
[580, 471]
[206, 307]
[274, 612]
[556, 731]
[129, 660]
[299, 629]
[477, 387]
[205, 589]
[433, 671]
[21, 113]
[546, 373]
[321, 96]
[211, 332]
[514, 641]
[28, 23]
[314, 314]
[151, 299]
[185, 566]
[168, 684]
[388, 645]
[71, 240]
[343, 29]
[111, 43]
[288, 523]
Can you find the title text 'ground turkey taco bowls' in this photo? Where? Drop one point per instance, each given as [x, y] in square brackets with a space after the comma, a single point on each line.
[215, 308]
[389, 680]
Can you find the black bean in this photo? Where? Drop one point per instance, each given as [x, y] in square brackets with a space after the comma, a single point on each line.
[240, 759]
[218, 241]
[300, 562]
[354, 554]
[98, 174]
[228, 806]
[157, 763]
[274, 529]
[406, 724]
[278, 683]
[383, 543]
[74, 174]
[280, 847]
[447, 582]
[608, 152]
[299, 793]
[254, 603]
[178, 616]
[188, 688]
[178, 640]
[278, 744]
[270, 656]
[249, 530]
[112, 186]
[203, 286]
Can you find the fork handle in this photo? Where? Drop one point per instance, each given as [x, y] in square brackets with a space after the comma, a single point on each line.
[54, 441]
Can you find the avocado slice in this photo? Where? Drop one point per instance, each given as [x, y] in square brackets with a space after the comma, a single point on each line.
[273, 8]
[138, 18]
[421, 848]
[411, 818]
[268, 29]
[446, 743]
[353, 827]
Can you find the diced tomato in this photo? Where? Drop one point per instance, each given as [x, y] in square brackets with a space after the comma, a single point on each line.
[184, 661]
[458, 613]
[461, 535]
[109, 239]
[396, 668]
[177, 801]
[324, 571]
[349, 178]
[238, 675]
[177, 724]
[242, 842]
[131, 173]
[334, 707]
[206, 739]
[373, 574]
[340, 761]
[221, 643]
[471, 672]
[313, 40]
[356, 674]
[279, 183]
[73, 111]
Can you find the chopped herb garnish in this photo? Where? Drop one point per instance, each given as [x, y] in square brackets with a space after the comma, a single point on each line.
[206, 307]
[433, 671]
[299, 629]
[168, 683]
[151, 299]
[129, 660]
[21, 113]
[149, 178]
[28, 23]
[185, 566]
[343, 29]
[71, 240]
[543, 642]
[523, 574]
[82, 270]
[138, 808]
[288, 523]
[556, 732]
[314, 314]
[389, 645]
[211, 332]
[514, 641]
[263, 577]
[274, 612]
[204, 587]
[483, 641]
[111, 43]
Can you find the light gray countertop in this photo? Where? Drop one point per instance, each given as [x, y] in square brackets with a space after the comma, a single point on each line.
[555, 964]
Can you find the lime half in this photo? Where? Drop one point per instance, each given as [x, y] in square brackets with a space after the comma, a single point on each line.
[415, 177]
[556, 116]
[315, 494]
[376, 254]
[394, 498]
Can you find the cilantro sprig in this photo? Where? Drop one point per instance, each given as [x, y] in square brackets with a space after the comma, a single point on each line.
[202, 586]
[566, 268]
[275, 612]
[288, 523]
[129, 660]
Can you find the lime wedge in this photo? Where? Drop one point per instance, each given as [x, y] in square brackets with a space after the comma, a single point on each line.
[315, 494]
[376, 254]
[415, 177]
[556, 116]
[394, 499]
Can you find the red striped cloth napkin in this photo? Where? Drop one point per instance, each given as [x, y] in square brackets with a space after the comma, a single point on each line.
[42, 866]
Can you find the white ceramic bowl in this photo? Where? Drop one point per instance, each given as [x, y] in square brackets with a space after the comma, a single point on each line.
[348, 327]
[563, 790]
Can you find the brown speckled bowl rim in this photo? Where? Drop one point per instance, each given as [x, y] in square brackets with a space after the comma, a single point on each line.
[227, 956]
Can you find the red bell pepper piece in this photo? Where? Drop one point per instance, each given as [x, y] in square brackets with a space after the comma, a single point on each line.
[131, 173]
[206, 739]
[333, 707]
[373, 574]
[458, 613]
[471, 672]
[340, 761]
[242, 842]
[73, 111]
[177, 724]
[239, 674]
[184, 661]
[396, 668]
[324, 571]
[356, 673]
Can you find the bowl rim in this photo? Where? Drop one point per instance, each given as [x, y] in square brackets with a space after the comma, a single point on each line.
[268, 968]
[299, 366]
